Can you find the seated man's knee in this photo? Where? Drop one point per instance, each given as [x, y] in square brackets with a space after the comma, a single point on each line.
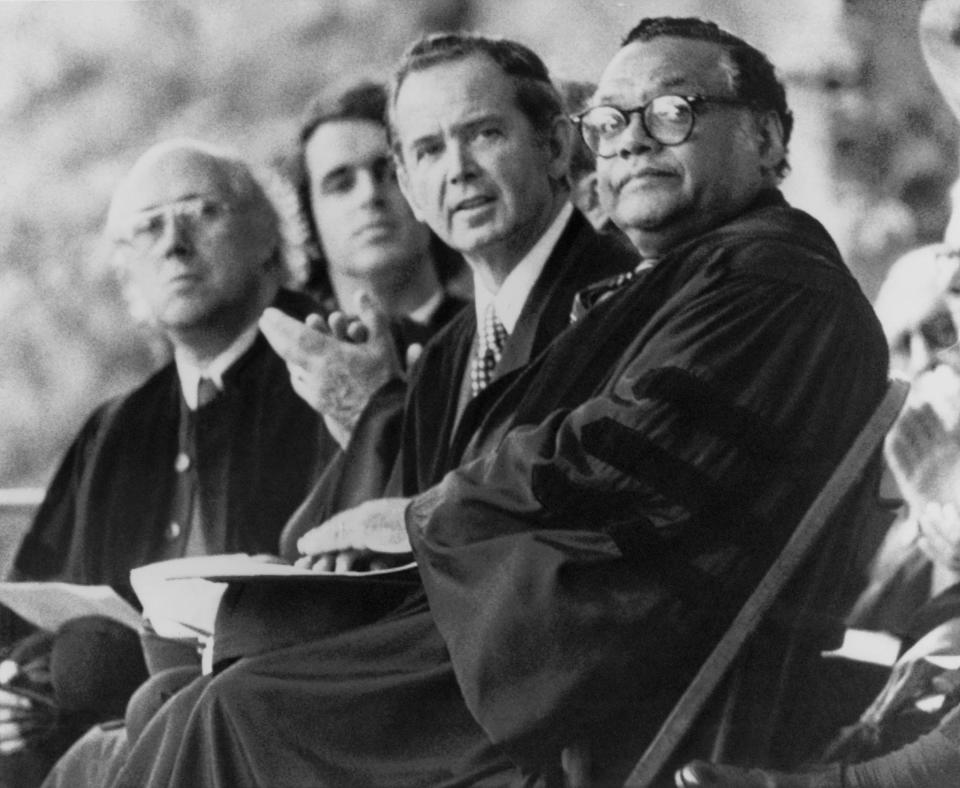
[152, 694]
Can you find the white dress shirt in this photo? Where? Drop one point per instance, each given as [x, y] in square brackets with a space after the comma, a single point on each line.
[508, 301]
[190, 374]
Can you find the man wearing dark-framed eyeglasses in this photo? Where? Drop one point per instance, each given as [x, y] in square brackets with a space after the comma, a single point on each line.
[685, 140]
[667, 119]
[691, 130]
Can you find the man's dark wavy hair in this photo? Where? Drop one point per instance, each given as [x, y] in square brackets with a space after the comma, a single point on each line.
[364, 101]
[755, 80]
[537, 97]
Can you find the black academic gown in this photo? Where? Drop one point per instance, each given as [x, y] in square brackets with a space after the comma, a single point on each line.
[617, 502]
[253, 618]
[581, 568]
[434, 438]
[279, 600]
[406, 441]
[108, 507]
[108, 510]
[423, 419]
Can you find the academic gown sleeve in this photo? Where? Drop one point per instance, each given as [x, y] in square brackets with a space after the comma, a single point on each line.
[580, 573]
[356, 474]
[368, 467]
[41, 555]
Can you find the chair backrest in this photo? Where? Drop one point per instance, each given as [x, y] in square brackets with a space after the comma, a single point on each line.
[810, 528]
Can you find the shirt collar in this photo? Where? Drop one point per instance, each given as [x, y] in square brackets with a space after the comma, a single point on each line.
[190, 374]
[513, 293]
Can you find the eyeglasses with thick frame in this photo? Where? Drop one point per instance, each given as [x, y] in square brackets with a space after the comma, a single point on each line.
[667, 119]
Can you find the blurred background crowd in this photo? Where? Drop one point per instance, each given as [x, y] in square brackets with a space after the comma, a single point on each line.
[86, 86]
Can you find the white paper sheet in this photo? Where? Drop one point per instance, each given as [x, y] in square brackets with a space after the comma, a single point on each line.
[48, 605]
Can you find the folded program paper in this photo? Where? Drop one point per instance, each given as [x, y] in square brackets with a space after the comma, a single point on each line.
[176, 608]
[47, 605]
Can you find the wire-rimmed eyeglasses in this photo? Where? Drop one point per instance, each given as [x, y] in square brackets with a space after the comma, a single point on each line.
[667, 119]
[147, 229]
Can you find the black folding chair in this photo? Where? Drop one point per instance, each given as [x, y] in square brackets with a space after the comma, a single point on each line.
[844, 479]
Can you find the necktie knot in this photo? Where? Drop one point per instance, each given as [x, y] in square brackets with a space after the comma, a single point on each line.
[491, 336]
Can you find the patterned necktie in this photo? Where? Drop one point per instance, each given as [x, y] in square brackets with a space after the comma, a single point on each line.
[593, 294]
[490, 338]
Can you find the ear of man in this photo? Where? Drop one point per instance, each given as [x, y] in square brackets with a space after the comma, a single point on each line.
[589, 196]
[772, 149]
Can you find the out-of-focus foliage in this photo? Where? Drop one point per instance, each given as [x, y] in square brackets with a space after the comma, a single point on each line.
[894, 142]
[85, 87]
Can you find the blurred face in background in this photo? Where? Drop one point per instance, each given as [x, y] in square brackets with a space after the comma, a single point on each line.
[916, 347]
[914, 308]
[195, 252]
[365, 225]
